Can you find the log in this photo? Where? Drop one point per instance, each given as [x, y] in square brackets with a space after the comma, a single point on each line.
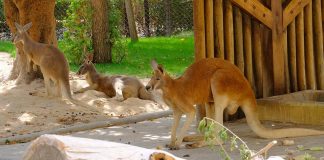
[292, 56]
[88, 126]
[301, 75]
[199, 30]
[318, 39]
[229, 31]
[286, 70]
[70, 148]
[247, 30]
[309, 49]
[219, 29]
[257, 53]
[267, 63]
[209, 28]
[238, 37]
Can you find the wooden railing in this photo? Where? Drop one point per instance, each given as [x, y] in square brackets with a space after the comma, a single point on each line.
[277, 44]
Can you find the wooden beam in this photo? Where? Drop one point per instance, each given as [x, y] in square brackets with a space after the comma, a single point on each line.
[257, 53]
[278, 48]
[257, 10]
[292, 56]
[247, 32]
[209, 13]
[301, 74]
[219, 29]
[309, 49]
[238, 38]
[228, 29]
[199, 30]
[292, 10]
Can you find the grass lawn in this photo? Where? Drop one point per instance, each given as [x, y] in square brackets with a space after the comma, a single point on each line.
[175, 53]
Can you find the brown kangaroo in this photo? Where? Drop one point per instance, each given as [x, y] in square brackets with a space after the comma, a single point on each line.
[51, 61]
[130, 86]
[216, 82]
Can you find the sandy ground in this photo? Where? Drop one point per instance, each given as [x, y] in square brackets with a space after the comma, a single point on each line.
[26, 109]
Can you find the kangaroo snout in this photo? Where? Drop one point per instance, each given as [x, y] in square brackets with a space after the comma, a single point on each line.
[148, 87]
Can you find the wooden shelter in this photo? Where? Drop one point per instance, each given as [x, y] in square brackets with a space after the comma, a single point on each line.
[277, 44]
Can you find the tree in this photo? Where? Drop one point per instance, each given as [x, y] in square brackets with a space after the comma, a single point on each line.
[167, 5]
[147, 18]
[100, 32]
[131, 20]
[41, 14]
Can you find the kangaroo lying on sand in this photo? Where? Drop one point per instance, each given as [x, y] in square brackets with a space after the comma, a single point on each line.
[129, 86]
[51, 61]
[217, 82]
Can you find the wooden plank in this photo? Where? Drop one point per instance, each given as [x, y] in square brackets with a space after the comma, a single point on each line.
[257, 53]
[301, 75]
[257, 10]
[292, 10]
[219, 29]
[247, 30]
[318, 45]
[278, 48]
[238, 38]
[309, 49]
[292, 56]
[229, 31]
[209, 20]
[267, 69]
[199, 30]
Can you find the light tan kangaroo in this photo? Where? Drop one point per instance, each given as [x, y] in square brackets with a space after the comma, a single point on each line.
[51, 61]
[216, 82]
[129, 86]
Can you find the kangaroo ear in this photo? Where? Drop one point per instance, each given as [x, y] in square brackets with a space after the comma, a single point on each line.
[19, 27]
[156, 66]
[27, 26]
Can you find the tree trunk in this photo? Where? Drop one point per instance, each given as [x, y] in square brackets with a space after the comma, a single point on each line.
[100, 32]
[168, 27]
[147, 18]
[41, 14]
[131, 20]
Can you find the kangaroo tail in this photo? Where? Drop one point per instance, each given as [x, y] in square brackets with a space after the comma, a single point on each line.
[250, 111]
[144, 94]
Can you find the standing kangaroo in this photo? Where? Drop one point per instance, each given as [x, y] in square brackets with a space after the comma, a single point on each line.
[130, 86]
[51, 61]
[217, 82]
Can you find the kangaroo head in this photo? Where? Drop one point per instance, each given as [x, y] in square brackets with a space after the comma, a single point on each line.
[87, 65]
[157, 79]
[21, 32]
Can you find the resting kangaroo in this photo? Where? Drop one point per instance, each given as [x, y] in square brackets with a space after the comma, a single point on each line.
[51, 61]
[217, 82]
[130, 86]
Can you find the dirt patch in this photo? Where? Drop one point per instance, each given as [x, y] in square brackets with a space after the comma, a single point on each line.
[26, 109]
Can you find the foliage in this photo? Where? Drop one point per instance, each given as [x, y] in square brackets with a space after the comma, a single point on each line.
[77, 37]
[208, 128]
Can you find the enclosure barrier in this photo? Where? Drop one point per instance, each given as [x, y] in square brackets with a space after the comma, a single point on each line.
[278, 45]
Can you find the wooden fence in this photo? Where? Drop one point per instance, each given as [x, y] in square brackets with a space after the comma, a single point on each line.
[277, 44]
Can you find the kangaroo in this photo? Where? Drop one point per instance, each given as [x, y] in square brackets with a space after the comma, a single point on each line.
[51, 61]
[217, 84]
[130, 86]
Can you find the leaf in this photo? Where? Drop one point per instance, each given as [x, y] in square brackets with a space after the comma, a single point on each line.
[300, 147]
[316, 148]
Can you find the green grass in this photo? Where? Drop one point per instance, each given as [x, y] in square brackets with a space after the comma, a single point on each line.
[7, 46]
[174, 53]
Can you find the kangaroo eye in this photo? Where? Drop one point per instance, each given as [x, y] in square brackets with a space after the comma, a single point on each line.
[157, 79]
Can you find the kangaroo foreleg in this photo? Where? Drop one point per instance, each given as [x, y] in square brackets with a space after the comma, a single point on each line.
[91, 87]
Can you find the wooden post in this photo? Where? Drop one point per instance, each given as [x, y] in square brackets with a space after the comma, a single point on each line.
[287, 78]
[209, 28]
[277, 45]
[238, 37]
[199, 30]
[309, 49]
[219, 31]
[292, 56]
[301, 75]
[247, 30]
[229, 36]
[318, 39]
[257, 52]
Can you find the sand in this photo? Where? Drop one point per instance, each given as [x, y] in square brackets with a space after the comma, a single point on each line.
[27, 109]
